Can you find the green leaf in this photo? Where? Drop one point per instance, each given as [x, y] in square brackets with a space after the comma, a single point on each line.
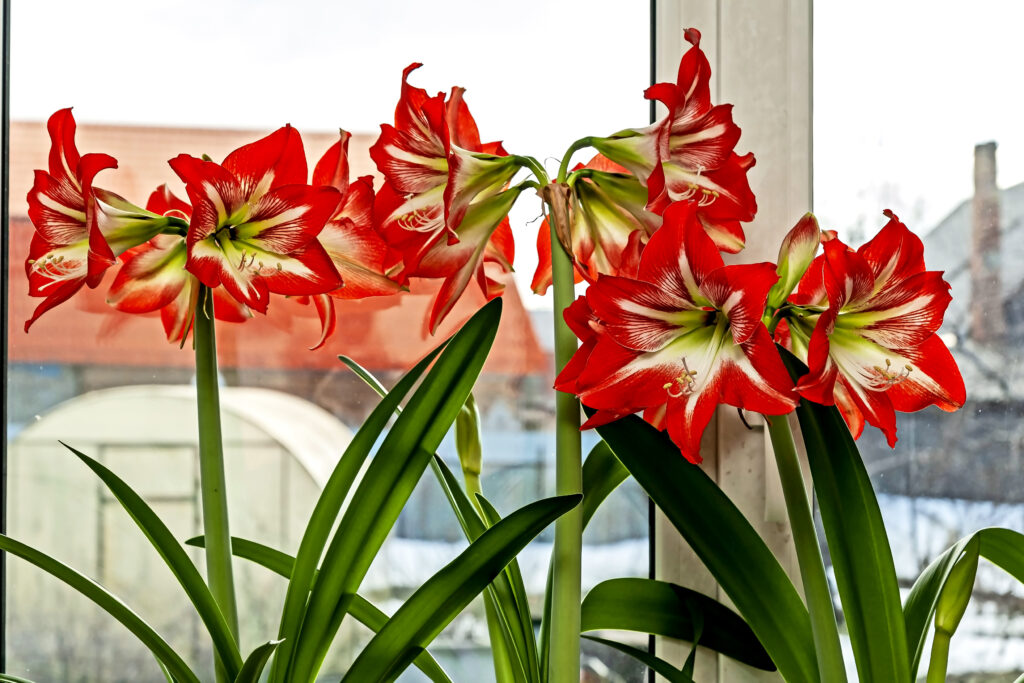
[254, 663]
[602, 473]
[364, 375]
[500, 606]
[7, 678]
[665, 609]
[325, 513]
[1002, 547]
[724, 541]
[387, 484]
[857, 542]
[656, 664]
[956, 593]
[362, 610]
[107, 602]
[176, 559]
[499, 593]
[446, 593]
[512, 591]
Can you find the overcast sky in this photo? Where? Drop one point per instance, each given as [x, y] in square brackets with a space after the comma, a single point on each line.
[903, 90]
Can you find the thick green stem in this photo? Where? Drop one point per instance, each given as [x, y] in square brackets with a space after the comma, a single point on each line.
[808, 553]
[940, 656]
[564, 643]
[211, 466]
[563, 168]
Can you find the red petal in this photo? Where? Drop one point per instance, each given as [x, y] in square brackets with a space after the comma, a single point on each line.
[935, 380]
[894, 254]
[164, 202]
[332, 169]
[63, 157]
[328, 320]
[151, 278]
[642, 316]
[679, 255]
[268, 163]
[459, 123]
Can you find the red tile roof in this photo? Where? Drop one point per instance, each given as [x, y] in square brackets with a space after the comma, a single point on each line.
[381, 333]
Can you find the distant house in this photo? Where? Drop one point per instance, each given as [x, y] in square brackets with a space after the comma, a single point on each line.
[975, 453]
[954, 473]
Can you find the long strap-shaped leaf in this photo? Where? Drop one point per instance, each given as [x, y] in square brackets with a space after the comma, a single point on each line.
[361, 609]
[108, 603]
[501, 593]
[522, 665]
[1002, 547]
[724, 541]
[857, 542]
[176, 559]
[387, 484]
[656, 664]
[665, 609]
[254, 663]
[325, 512]
[446, 593]
[518, 602]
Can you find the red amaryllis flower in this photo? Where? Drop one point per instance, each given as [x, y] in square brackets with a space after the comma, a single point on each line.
[682, 338]
[689, 154]
[608, 224]
[865, 322]
[79, 230]
[444, 200]
[358, 252]
[255, 221]
[350, 239]
[154, 278]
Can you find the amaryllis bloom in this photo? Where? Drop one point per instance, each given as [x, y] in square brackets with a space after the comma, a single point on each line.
[154, 278]
[865, 321]
[682, 338]
[255, 222]
[445, 196]
[608, 224]
[80, 230]
[689, 155]
[350, 239]
[355, 248]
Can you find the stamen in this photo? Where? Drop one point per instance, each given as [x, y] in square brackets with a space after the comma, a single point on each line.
[685, 382]
[885, 378]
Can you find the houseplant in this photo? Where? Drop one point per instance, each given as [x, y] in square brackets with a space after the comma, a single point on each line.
[667, 330]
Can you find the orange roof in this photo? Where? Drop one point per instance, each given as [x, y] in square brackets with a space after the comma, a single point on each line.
[382, 333]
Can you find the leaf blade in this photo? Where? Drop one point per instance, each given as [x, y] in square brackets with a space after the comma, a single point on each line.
[176, 559]
[388, 482]
[656, 664]
[435, 603]
[857, 541]
[325, 512]
[361, 609]
[665, 609]
[108, 602]
[724, 541]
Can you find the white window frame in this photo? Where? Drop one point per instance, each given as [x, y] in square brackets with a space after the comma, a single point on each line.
[760, 54]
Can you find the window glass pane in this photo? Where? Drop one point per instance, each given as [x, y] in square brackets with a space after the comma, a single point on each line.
[149, 81]
[914, 113]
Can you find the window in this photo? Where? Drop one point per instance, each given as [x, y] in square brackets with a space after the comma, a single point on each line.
[149, 82]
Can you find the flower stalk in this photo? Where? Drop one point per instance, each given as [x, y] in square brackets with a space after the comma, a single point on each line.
[812, 568]
[211, 466]
[564, 647]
